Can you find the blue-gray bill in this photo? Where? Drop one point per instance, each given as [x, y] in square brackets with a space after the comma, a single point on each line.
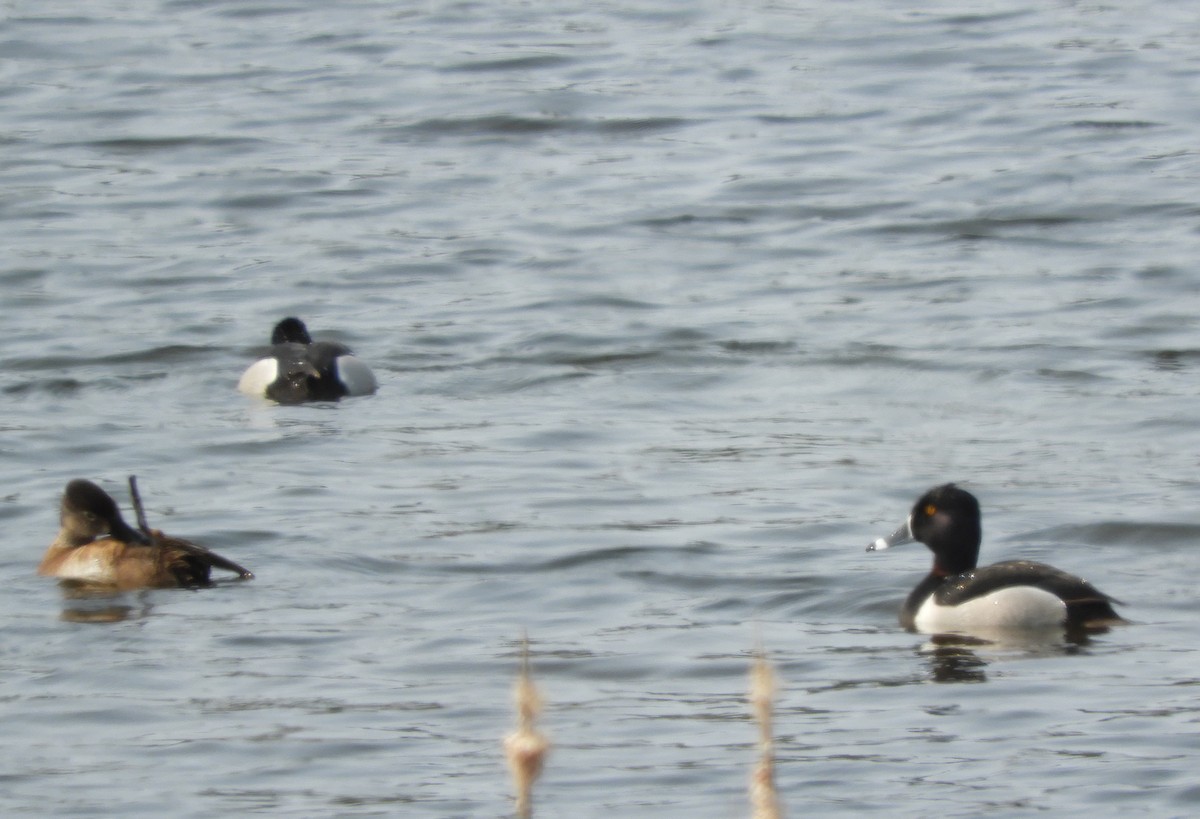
[902, 535]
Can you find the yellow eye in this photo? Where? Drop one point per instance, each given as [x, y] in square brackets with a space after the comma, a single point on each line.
[930, 510]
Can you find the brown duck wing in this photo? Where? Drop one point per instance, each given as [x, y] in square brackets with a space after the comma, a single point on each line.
[191, 564]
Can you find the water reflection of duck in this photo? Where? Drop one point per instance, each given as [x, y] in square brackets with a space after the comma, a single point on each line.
[954, 664]
[958, 596]
[96, 547]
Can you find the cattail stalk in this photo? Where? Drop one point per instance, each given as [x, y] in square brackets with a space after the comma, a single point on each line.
[526, 747]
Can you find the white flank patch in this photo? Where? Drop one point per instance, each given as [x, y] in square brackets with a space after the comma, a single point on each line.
[258, 376]
[355, 376]
[1022, 608]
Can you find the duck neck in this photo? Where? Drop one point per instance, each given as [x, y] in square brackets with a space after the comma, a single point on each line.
[957, 551]
[947, 565]
[71, 539]
[908, 613]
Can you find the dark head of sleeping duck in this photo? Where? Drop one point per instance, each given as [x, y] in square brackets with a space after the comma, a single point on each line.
[959, 596]
[299, 369]
[96, 547]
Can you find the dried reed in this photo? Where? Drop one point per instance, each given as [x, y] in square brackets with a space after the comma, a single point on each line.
[764, 800]
[526, 747]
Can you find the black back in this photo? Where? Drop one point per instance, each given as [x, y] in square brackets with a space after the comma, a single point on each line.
[307, 369]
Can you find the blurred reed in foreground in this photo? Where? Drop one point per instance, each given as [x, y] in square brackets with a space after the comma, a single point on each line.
[526, 747]
[764, 800]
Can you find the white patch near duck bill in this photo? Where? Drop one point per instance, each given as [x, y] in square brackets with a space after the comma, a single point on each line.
[258, 376]
[1016, 608]
[355, 376]
[902, 535]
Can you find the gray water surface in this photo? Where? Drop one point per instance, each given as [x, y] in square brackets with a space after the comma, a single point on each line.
[674, 308]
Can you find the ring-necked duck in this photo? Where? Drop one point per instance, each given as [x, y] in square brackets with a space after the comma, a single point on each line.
[1014, 594]
[96, 547]
[300, 369]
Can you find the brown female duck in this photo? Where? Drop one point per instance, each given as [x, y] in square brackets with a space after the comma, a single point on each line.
[96, 547]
